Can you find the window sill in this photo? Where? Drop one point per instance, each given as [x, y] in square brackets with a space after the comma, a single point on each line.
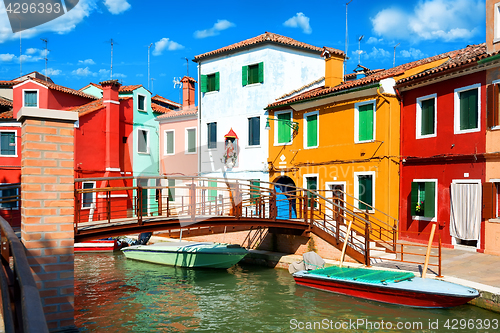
[313, 147]
[423, 218]
[494, 220]
[253, 147]
[191, 153]
[370, 211]
[367, 141]
[8, 155]
[145, 111]
[143, 153]
[283, 144]
[166, 154]
[254, 84]
[86, 208]
[426, 136]
[495, 128]
[474, 130]
[211, 92]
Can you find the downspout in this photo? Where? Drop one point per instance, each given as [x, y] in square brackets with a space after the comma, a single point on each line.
[199, 119]
[389, 143]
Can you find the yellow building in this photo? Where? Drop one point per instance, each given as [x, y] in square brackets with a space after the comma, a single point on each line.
[344, 135]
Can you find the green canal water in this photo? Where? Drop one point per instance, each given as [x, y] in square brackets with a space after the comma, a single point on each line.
[114, 294]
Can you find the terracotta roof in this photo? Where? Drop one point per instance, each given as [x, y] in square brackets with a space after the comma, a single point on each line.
[159, 109]
[164, 100]
[302, 88]
[372, 77]
[66, 90]
[7, 115]
[88, 108]
[5, 102]
[192, 111]
[267, 37]
[129, 88]
[458, 59]
[8, 83]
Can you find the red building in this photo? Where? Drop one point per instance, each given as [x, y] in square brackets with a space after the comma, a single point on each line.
[443, 127]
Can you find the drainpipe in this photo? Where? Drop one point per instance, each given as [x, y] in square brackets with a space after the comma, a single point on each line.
[388, 154]
[199, 118]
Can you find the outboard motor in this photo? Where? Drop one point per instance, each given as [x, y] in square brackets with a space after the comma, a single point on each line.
[143, 238]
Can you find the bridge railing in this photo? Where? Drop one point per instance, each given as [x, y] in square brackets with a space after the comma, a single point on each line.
[201, 196]
[21, 304]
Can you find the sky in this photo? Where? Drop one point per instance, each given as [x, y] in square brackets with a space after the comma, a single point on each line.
[79, 42]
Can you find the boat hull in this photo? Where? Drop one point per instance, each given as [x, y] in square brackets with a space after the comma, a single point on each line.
[97, 246]
[192, 256]
[408, 293]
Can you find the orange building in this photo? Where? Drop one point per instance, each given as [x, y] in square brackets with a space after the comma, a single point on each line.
[343, 136]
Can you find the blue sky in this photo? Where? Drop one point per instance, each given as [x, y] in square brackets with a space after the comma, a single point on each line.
[80, 51]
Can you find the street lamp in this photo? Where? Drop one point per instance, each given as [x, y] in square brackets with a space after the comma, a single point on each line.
[292, 124]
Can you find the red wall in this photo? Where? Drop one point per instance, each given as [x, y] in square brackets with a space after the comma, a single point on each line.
[445, 143]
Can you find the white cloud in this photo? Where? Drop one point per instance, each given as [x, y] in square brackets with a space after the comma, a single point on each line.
[52, 72]
[119, 76]
[375, 52]
[413, 53]
[60, 25]
[83, 72]
[374, 40]
[7, 57]
[86, 62]
[166, 43]
[219, 26]
[139, 75]
[32, 51]
[117, 6]
[446, 20]
[299, 21]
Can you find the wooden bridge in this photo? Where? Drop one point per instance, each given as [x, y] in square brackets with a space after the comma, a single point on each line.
[201, 206]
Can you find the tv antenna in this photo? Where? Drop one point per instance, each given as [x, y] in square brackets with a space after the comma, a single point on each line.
[359, 48]
[346, 34]
[149, 47]
[46, 55]
[394, 62]
[187, 64]
[112, 44]
[152, 86]
[177, 81]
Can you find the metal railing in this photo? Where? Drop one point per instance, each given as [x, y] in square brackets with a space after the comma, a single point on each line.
[21, 303]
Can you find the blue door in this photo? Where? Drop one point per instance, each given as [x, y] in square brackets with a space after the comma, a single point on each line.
[284, 203]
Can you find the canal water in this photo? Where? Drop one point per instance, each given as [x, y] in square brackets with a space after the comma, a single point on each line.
[114, 294]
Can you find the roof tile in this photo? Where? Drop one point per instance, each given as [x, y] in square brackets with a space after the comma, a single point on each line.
[66, 90]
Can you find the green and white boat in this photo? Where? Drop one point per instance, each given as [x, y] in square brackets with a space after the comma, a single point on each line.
[188, 254]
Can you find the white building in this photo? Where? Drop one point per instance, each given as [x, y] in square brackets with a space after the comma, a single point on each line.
[236, 83]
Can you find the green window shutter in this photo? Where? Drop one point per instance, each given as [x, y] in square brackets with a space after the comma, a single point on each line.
[468, 109]
[8, 143]
[254, 189]
[170, 142]
[427, 120]
[312, 130]
[414, 198]
[365, 118]
[284, 130]
[171, 190]
[365, 189]
[311, 184]
[212, 193]
[429, 201]
[261, 72]
[217, 85]
[30, 98]
[244, 75]
[203, 83]
[191, 140]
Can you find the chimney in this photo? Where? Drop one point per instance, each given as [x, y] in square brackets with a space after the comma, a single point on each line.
[334, 66]
[110, 100]
[492, 26]
[188, 91]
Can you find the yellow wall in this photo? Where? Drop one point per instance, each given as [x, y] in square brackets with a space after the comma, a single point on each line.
[338, 157]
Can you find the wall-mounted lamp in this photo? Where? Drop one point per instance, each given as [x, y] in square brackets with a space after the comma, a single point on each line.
[292, 124]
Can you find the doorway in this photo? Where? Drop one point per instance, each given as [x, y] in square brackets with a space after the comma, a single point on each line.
[285, 198]
[465, 213]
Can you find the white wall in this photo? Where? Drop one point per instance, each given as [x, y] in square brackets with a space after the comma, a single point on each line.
[285, 70]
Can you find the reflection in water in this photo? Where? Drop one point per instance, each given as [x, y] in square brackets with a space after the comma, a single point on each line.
[118, 295]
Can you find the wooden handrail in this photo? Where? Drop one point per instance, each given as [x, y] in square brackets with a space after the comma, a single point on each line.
[21, 302]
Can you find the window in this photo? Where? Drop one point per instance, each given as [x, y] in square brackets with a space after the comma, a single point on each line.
[143, 141]
[88, 198]
[426, 116]
[171, 190]
[210, 82]
[283, 134]
[492, 108]
[252, 74]
[254, 131]
[31, 98]
[364, 119]
[212, 192]
[423, 198]
[212, 135]
[364, 189]
[141, 102]
[6, 194]
[311, 129]
[8, 143]
[169, 142]
[491, 199]
[311, 183]
[190, 140]
[467, 108]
